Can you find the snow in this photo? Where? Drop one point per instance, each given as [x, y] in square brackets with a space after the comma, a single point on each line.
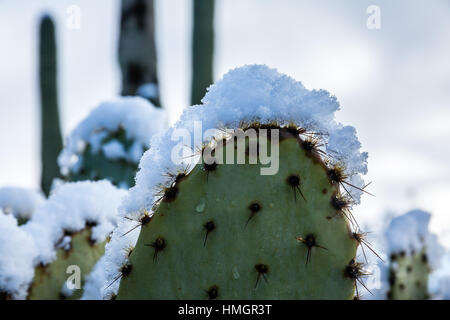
[20, 202]
[69, 207]
[439, 282]
[245, 94]
[137, 116]
[148, 90]
[17, 252]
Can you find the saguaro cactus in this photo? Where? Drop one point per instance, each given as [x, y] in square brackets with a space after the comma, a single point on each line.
[51, 140]
[202, 48]
[137, 50]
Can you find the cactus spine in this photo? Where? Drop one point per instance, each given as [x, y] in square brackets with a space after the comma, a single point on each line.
[224, 231]
[51, 140]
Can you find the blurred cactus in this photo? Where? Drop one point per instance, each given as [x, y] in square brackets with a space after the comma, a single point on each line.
[51, 140]
[202, 49]
[137, 50]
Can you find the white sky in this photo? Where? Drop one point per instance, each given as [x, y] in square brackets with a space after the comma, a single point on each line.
[393, 83]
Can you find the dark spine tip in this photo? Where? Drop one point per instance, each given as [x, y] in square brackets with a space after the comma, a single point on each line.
[335, 175]
[210, 166]
[293, 180]
[159, 244]
[126, 270]
[262, 268]
[213, 292]
[145, 219]
[339, 203]
[170, 194]
[180, 177]
[353, 270]
[254, 207]
[209, 226]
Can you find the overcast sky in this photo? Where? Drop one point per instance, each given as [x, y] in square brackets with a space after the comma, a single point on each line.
[393, 83]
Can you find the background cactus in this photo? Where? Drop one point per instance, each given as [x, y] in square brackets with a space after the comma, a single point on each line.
[70, 229]
[225, 231]
[408, 276]
[110, 141]
[76, 249]
[414, 253]
[51, 139]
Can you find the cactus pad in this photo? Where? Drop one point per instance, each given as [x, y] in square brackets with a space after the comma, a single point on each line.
[408, 276]
[50, 279]
[224, 231]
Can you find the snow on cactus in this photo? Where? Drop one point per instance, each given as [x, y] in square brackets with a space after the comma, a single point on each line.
[228, 232]
[70, 229]
[17, 252]
[109, 143]
[20, 202]
[414, 252]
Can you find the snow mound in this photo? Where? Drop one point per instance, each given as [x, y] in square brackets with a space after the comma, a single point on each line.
[20, 202]
[245, 94]
[135, 115]
[17, 252]
[70, 207]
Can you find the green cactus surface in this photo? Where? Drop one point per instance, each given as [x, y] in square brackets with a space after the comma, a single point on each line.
[49, 279]
[224, 231]
[408, 276]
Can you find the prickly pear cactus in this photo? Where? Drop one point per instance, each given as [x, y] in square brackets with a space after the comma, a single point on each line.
[78, 249]
[97, 165]
[224, 231]
[414, 252]
[408, 276]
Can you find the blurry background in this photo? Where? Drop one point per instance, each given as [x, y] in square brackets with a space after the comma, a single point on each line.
[393, 83]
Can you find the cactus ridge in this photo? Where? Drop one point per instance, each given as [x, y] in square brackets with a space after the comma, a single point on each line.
[408, 276]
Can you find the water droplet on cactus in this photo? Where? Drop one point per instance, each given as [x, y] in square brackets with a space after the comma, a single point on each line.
[201, 206]
[236, 274]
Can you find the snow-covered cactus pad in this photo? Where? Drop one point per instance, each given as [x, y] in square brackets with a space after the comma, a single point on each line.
[17, 251]
[109, 143]
[226, 231]
[70, 229]
[20, 202]
[413, 254]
